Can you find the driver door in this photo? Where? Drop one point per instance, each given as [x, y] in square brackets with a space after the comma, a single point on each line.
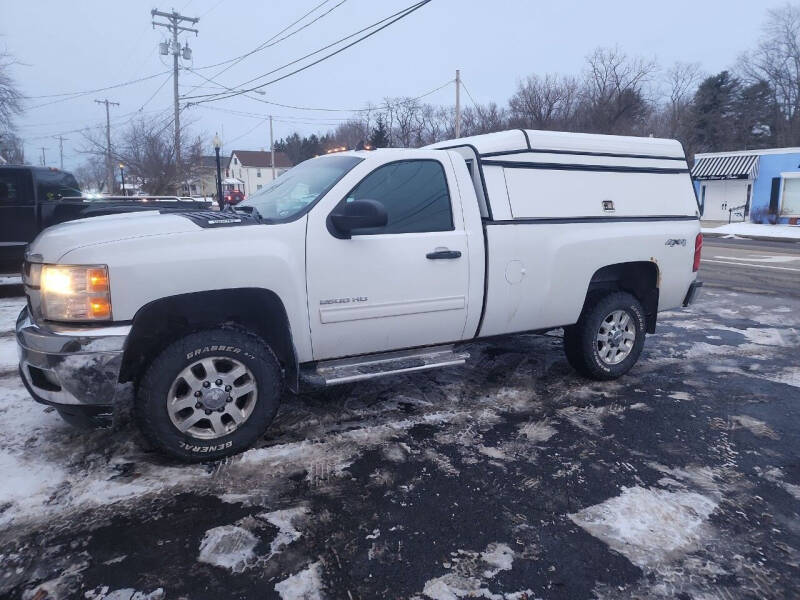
[398, 286]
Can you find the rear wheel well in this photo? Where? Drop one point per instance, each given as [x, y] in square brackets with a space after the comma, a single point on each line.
[257, 311]
[639, 278]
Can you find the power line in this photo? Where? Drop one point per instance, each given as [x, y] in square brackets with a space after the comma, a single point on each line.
[387, 22]
[269, 43]
[242, 113]
[237, 59]
[210, 9]
[158, 89]
[117, 122]
[72, 95]
[475, 104]
[402, 13]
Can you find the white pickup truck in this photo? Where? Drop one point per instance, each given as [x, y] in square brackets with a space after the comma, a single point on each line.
[355, 265]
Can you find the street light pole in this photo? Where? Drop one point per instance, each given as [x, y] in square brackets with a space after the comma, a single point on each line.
[122, 177]
[217, 143]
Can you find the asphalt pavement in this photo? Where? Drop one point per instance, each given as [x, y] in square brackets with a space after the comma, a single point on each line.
[751, 265]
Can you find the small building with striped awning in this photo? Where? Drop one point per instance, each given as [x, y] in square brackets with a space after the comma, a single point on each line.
[756, 185]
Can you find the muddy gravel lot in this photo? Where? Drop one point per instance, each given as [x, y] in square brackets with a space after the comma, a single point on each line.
[510, 478]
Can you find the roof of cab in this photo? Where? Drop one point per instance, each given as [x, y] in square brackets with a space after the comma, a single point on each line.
[565, 142]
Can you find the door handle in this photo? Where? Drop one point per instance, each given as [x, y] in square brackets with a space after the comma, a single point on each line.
[443, 253]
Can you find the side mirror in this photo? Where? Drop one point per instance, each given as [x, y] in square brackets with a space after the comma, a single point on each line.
[358, 214]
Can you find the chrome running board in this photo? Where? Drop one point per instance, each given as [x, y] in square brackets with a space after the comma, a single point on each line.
[345, 370]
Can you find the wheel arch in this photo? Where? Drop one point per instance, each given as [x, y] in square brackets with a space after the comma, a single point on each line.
[257, 310]
[640, 278]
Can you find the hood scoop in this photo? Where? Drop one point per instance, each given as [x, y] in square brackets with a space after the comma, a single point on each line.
[209, 219]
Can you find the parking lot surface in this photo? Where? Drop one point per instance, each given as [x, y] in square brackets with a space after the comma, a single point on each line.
[509, 478]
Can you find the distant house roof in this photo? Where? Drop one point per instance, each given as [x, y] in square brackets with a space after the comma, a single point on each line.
[261, 158]
[731, 166]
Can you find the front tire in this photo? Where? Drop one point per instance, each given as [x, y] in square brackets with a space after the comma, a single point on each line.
[608, 338]
[209, 395]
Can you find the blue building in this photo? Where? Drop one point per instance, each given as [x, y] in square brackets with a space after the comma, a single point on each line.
[762, 186]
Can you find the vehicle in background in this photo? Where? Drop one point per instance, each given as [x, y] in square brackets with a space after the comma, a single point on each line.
[358, 265]
[232, 191]
[33, 198]
[233, 197]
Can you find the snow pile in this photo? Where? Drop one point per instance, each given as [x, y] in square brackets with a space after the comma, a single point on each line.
[229, 547]
[469, 573]
[538, 431]
[783, 232]
[648, 526]
[304, 585]
[123, 594]
[756, 427]
[284, 521]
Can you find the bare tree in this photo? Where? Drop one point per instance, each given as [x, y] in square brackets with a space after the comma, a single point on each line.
[547, 102]
[12, 149]
[10, 96]
[437, 123]
[682, 80]
[147, 150]
[483, 118]
[91, 175]
[776, 60]
[614, 96]
[352, 133]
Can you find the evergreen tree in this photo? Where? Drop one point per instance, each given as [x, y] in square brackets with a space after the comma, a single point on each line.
[714, 115]
[380, 135]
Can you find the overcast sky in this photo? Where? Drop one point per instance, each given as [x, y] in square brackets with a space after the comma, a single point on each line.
[90, 44]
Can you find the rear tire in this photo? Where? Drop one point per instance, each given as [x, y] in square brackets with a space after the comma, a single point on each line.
[608, 338]
[209, 395]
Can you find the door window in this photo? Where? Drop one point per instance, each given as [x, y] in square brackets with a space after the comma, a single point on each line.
[52, 185]
[791, 196]
[414, 193]
[10, 192]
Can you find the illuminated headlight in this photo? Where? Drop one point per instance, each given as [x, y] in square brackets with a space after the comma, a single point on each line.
[75, 293]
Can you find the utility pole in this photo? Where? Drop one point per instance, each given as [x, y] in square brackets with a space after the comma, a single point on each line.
[109, 165]
[61, 139]
[271, 148]
[458, 103]
[174, 19]
[44, 161]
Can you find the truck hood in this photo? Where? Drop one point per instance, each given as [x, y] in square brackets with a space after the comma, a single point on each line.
[54, 242]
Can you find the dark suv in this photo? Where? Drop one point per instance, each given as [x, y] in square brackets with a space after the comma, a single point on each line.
[24, 193]
[32, 198]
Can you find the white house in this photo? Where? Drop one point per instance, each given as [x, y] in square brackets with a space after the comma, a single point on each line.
[254, 168]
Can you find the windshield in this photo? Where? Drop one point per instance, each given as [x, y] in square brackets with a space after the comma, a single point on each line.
[300, 187]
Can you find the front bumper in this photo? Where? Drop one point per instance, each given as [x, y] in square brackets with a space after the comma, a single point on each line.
[75, 369]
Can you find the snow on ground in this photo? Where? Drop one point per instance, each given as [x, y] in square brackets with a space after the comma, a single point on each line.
[229, 547]
[781, 232]
[648, 526]
[303, 585]
[285, 521]
[469, 573]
